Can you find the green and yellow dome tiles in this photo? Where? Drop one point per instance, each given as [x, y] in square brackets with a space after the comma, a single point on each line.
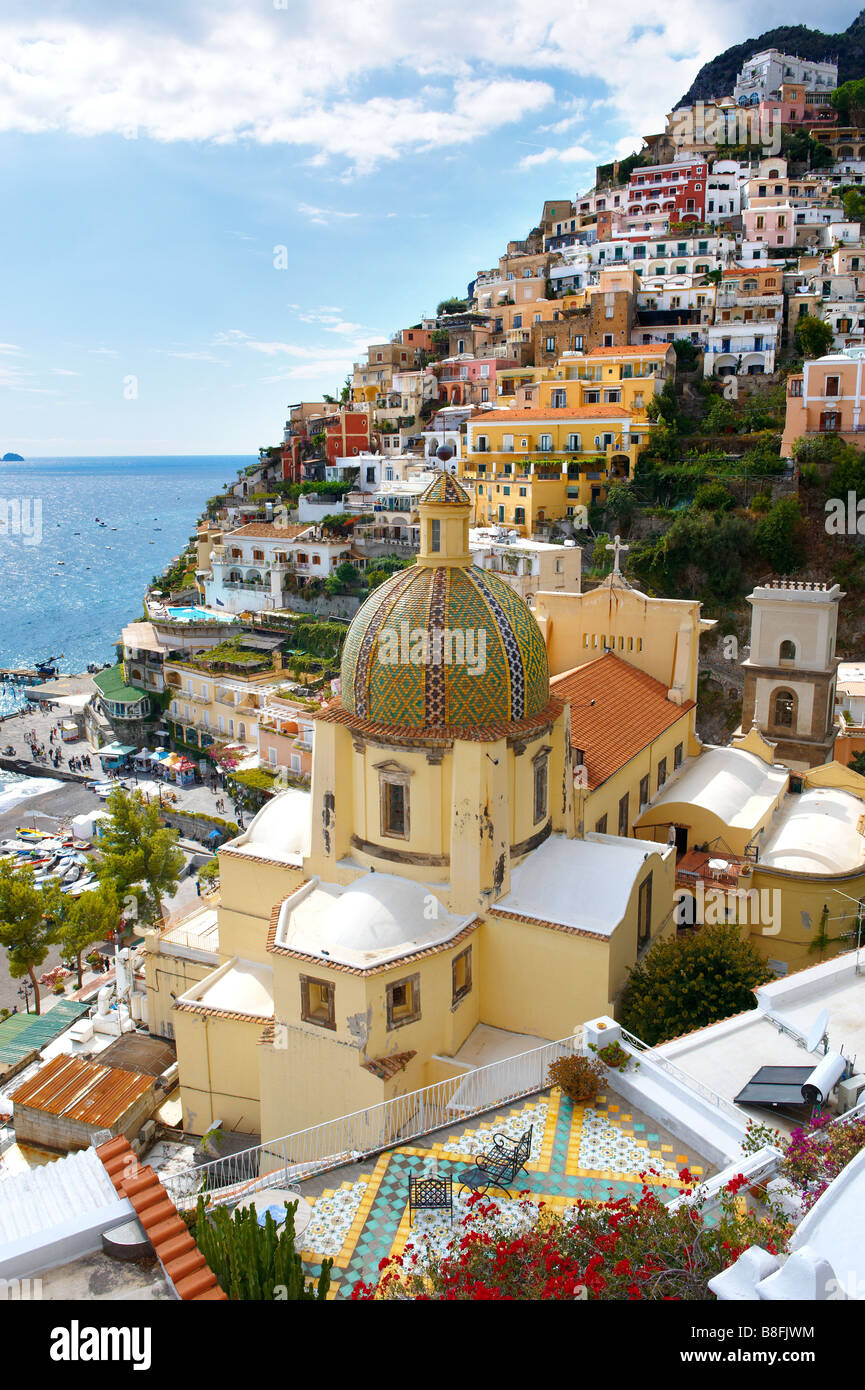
[390, 678]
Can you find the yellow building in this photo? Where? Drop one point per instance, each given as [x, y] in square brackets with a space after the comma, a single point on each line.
[425, 886]
[485, 851]
[531, 466]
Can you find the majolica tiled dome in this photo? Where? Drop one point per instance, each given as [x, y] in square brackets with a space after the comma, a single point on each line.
[514, 683]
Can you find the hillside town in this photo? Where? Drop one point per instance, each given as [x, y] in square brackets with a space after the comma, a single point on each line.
[532, 665]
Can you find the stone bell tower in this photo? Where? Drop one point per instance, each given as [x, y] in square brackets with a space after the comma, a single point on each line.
[790, 671]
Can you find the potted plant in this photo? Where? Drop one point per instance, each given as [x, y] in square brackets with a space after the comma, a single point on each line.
[613, 1056]
[579, 1077]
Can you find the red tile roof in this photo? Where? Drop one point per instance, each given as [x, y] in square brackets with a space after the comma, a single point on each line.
[172, 1241]
[268, 530]
[634, 349]
[631, 709]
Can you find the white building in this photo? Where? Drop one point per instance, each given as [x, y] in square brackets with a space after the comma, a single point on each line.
[739, 348]
[527, 565]
[761, 76]
[251, 568]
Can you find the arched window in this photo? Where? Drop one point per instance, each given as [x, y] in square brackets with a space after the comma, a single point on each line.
[788, 651]
[784, 709]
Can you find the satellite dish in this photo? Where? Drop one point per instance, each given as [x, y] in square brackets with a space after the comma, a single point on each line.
[817, 1031]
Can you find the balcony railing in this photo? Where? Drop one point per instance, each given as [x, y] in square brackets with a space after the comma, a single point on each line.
[351, 1137]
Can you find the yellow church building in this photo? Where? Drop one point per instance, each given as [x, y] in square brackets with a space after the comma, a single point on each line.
[429, 904]
[507, 809]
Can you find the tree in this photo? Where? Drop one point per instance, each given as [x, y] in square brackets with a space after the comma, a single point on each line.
[780, 536]
[345, 393]
[621, 503]
[139, 853]
[686, 353]
[690, 982]
[347, 573]
[854, 205]
[857, 762]
[454, 305]
[849, 102]
[85, 919]
[28, 921]
[813, 336]
[712, 497]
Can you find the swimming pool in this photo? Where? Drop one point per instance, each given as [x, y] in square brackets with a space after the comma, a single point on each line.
[198, 615]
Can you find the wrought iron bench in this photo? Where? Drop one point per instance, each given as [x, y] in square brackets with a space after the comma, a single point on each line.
[431, 1194]
[498, 1167]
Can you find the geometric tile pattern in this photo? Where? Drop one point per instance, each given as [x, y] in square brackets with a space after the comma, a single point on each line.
[578, 1151]
[503, 676]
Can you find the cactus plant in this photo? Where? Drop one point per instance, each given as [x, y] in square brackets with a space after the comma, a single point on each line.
[253, 1262]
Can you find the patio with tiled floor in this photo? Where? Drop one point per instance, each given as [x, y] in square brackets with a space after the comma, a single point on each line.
[592, 1151]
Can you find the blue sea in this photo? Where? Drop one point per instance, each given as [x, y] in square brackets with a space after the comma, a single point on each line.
[67, 584]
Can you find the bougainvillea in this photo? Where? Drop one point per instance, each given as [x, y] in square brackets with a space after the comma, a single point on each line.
[816, 1155]
[620, 1249]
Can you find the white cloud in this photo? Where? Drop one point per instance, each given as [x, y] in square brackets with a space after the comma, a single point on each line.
[323, 216]
[195, 356]
[218, 72]
[63, 371]
[10, 350]
[102, 352]
[573, 154]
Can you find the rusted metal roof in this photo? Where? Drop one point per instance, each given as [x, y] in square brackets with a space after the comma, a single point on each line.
[84, 1091]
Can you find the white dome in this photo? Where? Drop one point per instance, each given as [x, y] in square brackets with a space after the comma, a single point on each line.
[281, 830]
[376, 913]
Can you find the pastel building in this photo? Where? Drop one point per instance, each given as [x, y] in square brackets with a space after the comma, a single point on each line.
[367, 929]
[826, 397]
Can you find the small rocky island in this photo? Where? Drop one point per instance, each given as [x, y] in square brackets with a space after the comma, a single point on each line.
[11, 458]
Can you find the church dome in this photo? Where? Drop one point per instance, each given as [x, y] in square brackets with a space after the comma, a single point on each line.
[443, 643]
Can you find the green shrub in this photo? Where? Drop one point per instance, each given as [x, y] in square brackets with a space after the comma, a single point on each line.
[690, 982]
[712, 497]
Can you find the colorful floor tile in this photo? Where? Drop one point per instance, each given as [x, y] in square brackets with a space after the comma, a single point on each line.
[578, 1151]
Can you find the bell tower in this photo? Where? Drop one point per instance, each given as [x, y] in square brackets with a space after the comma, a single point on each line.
[790, 670]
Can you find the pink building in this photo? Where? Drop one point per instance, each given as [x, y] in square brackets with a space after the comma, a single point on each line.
[469, 380]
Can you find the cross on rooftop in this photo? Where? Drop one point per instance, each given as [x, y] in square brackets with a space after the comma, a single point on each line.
[618, 547]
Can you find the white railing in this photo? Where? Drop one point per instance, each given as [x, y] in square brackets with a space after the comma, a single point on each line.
[352, 1137]
[685, 1078]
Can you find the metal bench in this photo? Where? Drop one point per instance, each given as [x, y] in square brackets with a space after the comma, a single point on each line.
[430, 1194]
[498, 1167]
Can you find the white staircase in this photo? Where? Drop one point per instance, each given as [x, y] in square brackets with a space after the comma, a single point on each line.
[55, 1212]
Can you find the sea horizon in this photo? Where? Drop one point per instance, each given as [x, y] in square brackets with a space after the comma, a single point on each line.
[94, 530]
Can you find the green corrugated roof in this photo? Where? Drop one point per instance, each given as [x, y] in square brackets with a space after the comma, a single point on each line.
[114, 687]
[25, 1033]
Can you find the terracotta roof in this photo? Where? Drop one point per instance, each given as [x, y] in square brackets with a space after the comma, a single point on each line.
[634, 349]
[267, 529]
[386, 1067]
[83, 1091]
[631, 709]
[577, 412]
[172, 1241]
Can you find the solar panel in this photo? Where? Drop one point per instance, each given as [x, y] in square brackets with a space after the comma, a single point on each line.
[775, 1086]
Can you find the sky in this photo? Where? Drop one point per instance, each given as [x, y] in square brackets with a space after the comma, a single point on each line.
[208, 210]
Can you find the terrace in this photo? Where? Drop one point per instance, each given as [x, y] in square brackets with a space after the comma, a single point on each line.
[354, 1172]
